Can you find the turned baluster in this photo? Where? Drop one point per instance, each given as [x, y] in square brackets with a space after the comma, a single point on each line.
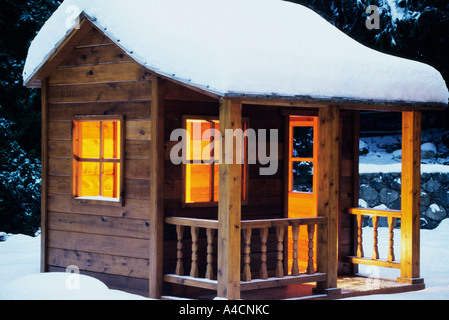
[311, 234]
[210, 251]
[360, 253]
[246, 276]
[375, 239]
[280, 249]
[194, 267]
[295, 235]
[391, 222]
[263, 249]
[179, 254]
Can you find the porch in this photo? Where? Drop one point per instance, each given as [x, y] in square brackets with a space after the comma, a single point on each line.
[280, 274]
[313, 255]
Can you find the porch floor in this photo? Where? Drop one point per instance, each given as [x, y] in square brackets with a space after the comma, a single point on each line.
[351, 286]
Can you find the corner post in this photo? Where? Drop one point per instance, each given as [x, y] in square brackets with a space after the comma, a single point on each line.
[229, 206]
[157, 188]
[411, 197]
[328, 197]
[44, 175]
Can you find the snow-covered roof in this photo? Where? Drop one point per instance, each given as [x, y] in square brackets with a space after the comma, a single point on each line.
[245, 47]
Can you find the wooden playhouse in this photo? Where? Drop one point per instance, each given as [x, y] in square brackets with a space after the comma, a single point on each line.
[116, 206]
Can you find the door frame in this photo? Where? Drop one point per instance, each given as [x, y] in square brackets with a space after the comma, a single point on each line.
[311, 198]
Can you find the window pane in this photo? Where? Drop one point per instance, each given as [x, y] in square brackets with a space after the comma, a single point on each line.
[196, 146]
[303, 177]
[89, 139]
[88, 179]
[302, 142]
[110, 178]
[216, 179]
[198, 179]
[111, 139]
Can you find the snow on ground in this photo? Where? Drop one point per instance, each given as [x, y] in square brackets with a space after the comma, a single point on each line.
[20, 278]
[434, 263]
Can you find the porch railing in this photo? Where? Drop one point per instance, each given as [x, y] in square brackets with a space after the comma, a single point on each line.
[376, 260]
[252, 277]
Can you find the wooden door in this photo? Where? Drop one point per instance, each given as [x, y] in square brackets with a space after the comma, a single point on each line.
[302, 161]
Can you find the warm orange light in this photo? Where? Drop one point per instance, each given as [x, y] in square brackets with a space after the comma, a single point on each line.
[89, 139]
[301, 204]
[202, 176]
[96, 164]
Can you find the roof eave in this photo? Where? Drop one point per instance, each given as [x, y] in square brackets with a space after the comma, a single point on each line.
[343, 102]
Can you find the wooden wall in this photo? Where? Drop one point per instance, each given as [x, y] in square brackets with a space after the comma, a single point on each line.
[108, 242]
[349, 186]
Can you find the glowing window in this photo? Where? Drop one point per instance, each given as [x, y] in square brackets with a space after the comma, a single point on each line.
[302, 155]
[202, 168]
[97, 158]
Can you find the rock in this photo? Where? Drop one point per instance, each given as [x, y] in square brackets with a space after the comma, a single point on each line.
[432, 185]
[444, 198]
[387, 195]
[377, 183]
[396, 205]
[425, 199]
[428, 151]
[368, 193]
[435, 212]
[396, 184]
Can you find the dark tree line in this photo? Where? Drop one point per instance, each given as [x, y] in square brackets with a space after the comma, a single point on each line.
[20, 115]
[412, 29]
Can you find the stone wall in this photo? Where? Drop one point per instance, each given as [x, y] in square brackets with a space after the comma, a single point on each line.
[383, 190]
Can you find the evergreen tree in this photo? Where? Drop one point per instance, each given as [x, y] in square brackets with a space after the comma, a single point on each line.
[20, 115]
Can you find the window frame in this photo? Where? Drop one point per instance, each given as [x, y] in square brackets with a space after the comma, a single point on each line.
[245, 168]
[121, 160]
[302, 121]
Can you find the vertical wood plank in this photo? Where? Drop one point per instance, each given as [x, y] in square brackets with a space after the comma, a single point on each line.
[411, 196]
[157, 188]
[44, 175]
[229, 207]
[328, 168]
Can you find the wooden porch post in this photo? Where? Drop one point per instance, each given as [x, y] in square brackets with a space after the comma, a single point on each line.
[328, 197]
[44, 175]
[411, 197]
[229, 207]
[157, 187]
